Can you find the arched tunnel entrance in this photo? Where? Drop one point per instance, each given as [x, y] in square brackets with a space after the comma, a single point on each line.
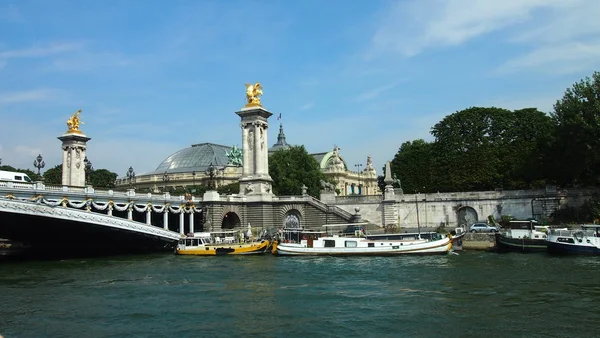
[230, 221]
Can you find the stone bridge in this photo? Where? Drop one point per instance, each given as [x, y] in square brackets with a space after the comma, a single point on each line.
[88, 219]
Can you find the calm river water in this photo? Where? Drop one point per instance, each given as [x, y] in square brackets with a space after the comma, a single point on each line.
[473, 294]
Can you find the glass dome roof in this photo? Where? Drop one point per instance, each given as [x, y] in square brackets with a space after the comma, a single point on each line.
[195, 158]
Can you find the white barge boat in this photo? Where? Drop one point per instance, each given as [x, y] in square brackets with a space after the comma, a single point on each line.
[339, 245]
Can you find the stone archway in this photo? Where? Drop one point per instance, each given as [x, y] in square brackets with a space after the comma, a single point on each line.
[291, 219]
[230, 220]
[466, 216]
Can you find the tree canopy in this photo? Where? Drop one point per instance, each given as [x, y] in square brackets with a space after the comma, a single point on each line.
[577, 134]
[483, 148]
[291, 168]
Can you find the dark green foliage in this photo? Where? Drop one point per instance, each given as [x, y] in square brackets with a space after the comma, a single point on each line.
[229, 189]
[576, 159]
[102, 178]
[478, 149]
[53, 175]
[414, 157]
[292, 168]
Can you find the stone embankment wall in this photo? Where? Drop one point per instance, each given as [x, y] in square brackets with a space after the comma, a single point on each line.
[475, 241]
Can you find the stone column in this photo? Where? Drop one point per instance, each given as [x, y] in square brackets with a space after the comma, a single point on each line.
[191, 221]
[130, 213]
[245, 152]
[166, 218]
[181, 221]
[256, 149]
[255, 181]
[265, 153]
[149, 216]
[74, 145]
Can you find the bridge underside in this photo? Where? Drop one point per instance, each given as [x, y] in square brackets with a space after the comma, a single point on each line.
[52, 237]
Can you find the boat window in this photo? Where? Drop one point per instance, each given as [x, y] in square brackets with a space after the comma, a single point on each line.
[371, 245]
[350, 244]
[194, 242]
[188, 242]
[565, 240]
[182, 241]
[329, 243]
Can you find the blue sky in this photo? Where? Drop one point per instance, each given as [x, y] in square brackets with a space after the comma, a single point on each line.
[153, 77]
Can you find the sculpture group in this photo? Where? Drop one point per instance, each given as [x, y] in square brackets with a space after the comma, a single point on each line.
[253, 93]
[73, 122]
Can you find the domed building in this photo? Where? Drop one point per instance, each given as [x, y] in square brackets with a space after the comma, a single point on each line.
[206, 164]
[216, 165]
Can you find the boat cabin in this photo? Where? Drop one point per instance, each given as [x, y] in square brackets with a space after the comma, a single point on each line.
[526, 229]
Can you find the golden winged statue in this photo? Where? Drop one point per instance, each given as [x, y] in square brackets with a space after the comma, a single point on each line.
[73, 122]
[253, 93]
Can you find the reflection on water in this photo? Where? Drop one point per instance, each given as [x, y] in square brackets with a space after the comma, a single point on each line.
[472, 294]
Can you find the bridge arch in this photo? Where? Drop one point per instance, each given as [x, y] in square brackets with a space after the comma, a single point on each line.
[230, 220]
[466, 216]
[292, 216]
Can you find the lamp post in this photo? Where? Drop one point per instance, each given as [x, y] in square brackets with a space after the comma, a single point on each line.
[358, 171]
[39, 163]
[193, 181]
[165, 179]
[210, 172]
[130, 176]
[418, 223]
[87, 166]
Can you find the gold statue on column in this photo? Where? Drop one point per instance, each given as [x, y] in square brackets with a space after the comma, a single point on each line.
[73, 123]
[253, 93]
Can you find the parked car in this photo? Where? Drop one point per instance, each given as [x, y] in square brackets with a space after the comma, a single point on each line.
[482, 227]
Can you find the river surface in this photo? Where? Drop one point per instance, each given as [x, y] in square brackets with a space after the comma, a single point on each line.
[473, 294]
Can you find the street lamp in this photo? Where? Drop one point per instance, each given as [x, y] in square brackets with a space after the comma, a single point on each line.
[210, 172]
[165, 179]
[87, 166]
[358, 170]
[418, 222]
[194, 181]
[130, 176]
[39, 163]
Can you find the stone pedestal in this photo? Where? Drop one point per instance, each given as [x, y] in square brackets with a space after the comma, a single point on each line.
[74, 145]
[255, 178]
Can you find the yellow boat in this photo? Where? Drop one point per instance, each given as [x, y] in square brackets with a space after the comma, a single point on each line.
[221, 243]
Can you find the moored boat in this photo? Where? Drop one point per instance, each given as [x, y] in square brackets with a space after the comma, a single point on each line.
[12, 248]
[522, 236]
[584, 241]
[221, 243]
[334, 243]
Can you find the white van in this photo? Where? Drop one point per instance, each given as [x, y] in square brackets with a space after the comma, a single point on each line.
[12, 176]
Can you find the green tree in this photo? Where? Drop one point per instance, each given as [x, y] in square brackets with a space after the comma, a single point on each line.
[525, 148]
[102, 178]
[466, 147]
[229, 189]
[291, 168]
[576, 160]
[53, 175]
[413, 165]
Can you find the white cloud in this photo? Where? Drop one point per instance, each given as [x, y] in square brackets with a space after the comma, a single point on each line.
[566, 41]
[558, 58]
[306, 106]
[375, 92]
[408, 28]
[40, 51]
[26, 96]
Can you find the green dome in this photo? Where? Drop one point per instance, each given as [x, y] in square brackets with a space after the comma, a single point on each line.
[198, 157]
